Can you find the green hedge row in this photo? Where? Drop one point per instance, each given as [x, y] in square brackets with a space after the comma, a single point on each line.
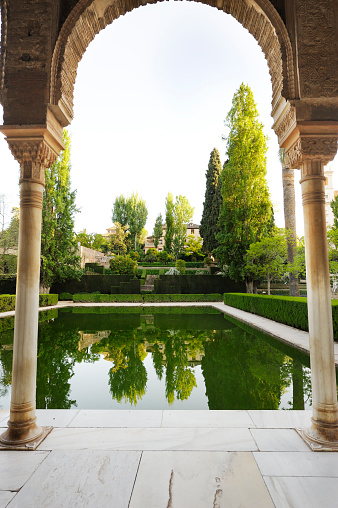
[288, 310]
[200, 310]
[7, 302]
[188, 264]
[146, 298]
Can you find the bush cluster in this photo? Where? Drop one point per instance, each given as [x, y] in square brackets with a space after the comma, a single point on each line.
[288, 310]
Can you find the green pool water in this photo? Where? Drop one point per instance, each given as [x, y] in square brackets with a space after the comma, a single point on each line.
[158, 358]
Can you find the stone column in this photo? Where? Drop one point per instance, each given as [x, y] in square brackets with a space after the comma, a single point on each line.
[35, 152]
[311, 155]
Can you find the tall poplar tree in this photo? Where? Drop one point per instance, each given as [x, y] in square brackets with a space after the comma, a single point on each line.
[60, 259]
[170, 223]
[183, 213]
[246, 212]
[212, 203]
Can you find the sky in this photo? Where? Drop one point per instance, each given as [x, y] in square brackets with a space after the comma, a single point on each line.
[151, 95]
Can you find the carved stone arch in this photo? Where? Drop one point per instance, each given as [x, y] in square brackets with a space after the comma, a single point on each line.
[89, 17]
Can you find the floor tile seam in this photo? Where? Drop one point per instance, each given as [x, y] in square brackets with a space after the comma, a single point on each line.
[77, 412]
[136, 474]
[267, 487]
[255, 441]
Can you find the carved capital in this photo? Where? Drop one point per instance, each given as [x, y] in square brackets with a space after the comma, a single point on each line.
[321, 148]
[35, 147]
[34, 156]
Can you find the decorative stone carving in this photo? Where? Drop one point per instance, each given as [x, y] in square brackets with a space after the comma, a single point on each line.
[322, 148]
[317, 47]
[89, 17]
[34, 156]
[3, 47]
[285, 123]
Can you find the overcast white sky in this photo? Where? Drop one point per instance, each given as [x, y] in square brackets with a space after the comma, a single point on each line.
[151, 95]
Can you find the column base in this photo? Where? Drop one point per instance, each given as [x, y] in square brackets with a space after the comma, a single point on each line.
[320, 437]
[23, 436]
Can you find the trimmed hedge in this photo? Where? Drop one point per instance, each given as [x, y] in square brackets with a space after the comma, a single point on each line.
[91, 283]
[189, 264]
[196, 284]
[7, 302]
[149, 309]
[288, 310]
[145, 298]
[7, 284]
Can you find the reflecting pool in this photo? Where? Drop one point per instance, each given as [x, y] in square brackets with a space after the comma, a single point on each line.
[158, 358]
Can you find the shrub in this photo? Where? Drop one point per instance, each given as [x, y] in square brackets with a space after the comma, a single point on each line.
[65, 296]
[48, 300]
[123, 265]
[7, 303]
[180, 266]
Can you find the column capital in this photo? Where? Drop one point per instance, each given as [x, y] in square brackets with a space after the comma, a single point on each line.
[35, 147]
[321, 148]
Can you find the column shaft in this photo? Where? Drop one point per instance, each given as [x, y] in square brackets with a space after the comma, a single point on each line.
[324, 392]
[22, 426]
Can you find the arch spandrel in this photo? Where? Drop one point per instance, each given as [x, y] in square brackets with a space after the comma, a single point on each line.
[89, 17]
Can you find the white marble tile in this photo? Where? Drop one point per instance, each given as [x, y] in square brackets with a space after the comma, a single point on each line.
[273, 440]
[55, 417]
[5, 497]
[303, 492]
[81, 478]
[205, 418]
[117, 418]
[298, 463]
[280, 419]
[199, 480]
[17, 467]
[150, 439]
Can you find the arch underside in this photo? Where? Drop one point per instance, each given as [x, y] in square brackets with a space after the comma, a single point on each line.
[89, 17]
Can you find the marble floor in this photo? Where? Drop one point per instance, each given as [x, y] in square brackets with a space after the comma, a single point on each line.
[169, 459]
[172, 459]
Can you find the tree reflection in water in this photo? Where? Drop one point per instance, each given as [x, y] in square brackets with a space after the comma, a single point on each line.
[242, 368]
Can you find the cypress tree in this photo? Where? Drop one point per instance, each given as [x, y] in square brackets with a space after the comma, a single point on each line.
[158, 229]
[212, 203]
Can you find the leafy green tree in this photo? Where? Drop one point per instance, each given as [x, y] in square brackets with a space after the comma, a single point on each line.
[183, 213]
[59, 253]
[9, 241]
[268, 257]
[193, 247]
[170, 223]
[123, 265]
[85, 239]
[212, 203]
[118, 240]
[157, 229]
[245, 216]
[131, 212]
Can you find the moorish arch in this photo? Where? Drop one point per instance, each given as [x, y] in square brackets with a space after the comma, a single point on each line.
[89, 17]
[42, 42]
